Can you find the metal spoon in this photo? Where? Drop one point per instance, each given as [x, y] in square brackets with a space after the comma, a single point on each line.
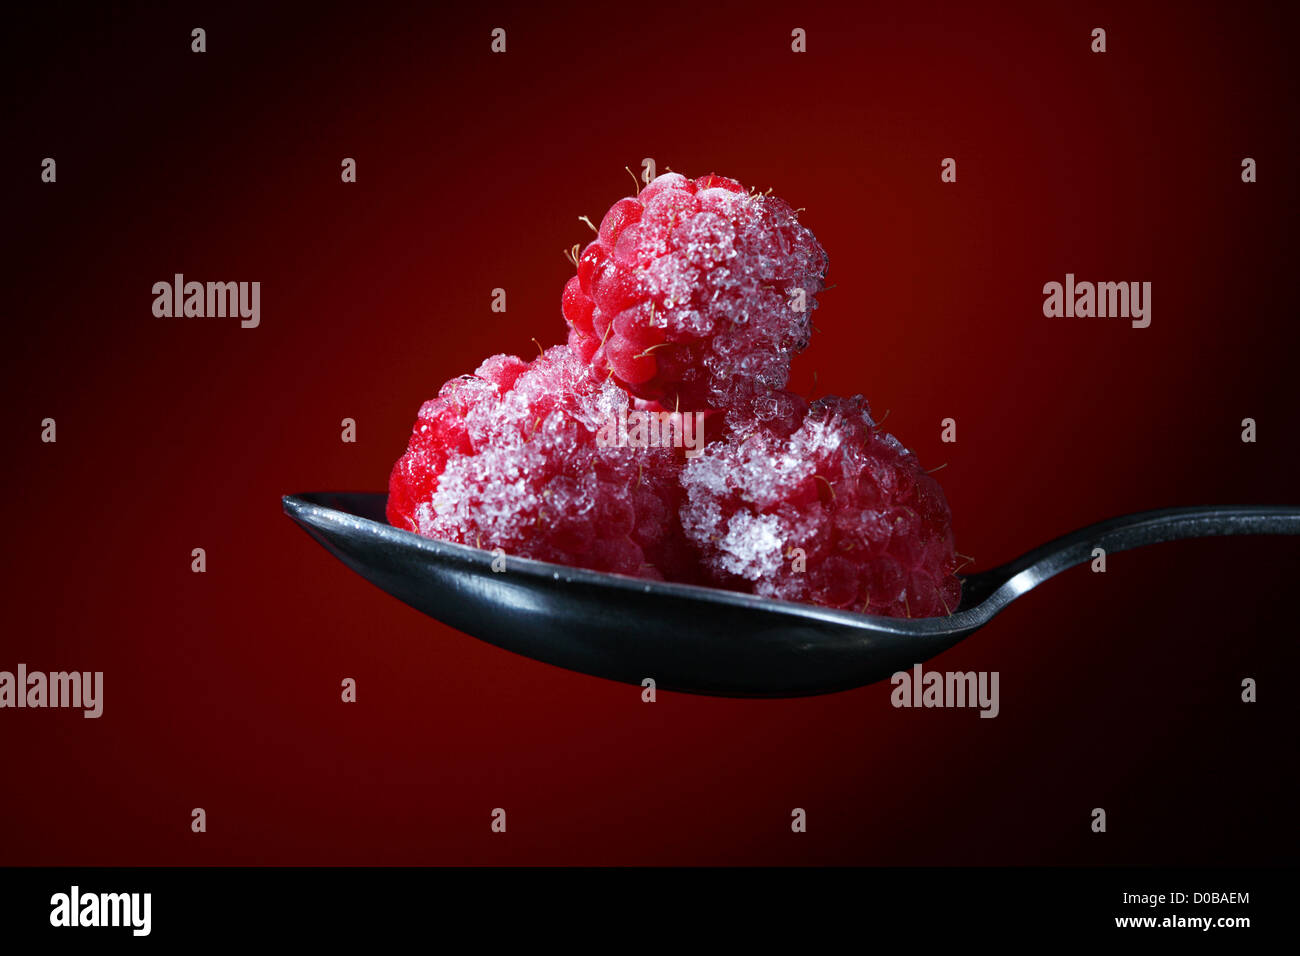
[705, 640]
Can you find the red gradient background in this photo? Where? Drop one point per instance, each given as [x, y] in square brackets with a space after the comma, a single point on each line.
[222, 690]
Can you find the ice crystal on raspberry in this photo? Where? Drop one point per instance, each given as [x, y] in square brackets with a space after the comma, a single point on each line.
[509, 458]
[836, 512]
[696, 293]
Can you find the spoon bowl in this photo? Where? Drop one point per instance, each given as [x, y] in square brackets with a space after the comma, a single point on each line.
[706, 640]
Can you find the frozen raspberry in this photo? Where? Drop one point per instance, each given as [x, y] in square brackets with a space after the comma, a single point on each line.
[696, 293]
[511, 457]
[873, 530]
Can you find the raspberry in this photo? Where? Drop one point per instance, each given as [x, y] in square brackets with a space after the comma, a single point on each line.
[689, 295]
[509, 458]
[874, 528]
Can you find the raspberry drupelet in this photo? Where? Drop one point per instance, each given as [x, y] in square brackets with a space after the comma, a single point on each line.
[874, 529]
[696, 293]
[509, 458]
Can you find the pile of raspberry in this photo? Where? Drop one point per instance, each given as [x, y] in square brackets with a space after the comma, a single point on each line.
[694, 297]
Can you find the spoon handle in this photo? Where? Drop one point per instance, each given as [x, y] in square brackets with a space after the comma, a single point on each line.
[1124, 533]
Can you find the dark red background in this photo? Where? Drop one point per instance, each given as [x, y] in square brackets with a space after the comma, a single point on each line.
[222, 690]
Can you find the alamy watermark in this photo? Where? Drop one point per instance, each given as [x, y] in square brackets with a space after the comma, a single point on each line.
[1085, 300]
[645, 429]
[76, 908]
[73, 689]
[211, 300]
[918, 688]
